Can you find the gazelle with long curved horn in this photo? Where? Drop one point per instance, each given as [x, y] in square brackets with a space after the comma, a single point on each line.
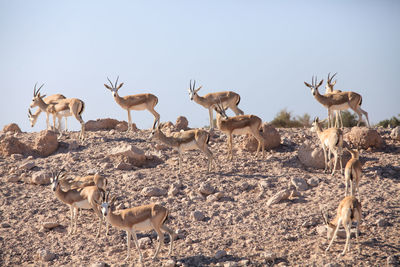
[240, 125]
[329, 90]
[338, 101]
[36, 102]
[228, 99]
[141, 218]
[51, 99]
[134, 102]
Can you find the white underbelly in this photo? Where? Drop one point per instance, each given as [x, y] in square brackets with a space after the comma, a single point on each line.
[65, 113]
[83, 204]
[139, 107]
[340, 107]
[242, 131]
[143, 226]
[188, 146]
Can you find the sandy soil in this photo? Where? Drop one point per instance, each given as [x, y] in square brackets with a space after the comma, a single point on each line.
[286, 234]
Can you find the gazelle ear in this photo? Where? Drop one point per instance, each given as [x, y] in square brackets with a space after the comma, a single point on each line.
[198, 89]
[112, 200]
[320, 83]
[107, 86]
[120, 85]
[334, 83]
[307, 84]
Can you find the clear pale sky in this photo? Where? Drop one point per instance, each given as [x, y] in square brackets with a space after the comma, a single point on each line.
[263, 50]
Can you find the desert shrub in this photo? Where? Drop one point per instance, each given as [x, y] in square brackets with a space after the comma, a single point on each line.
[350, 119]
[284, 119]
[392, 122]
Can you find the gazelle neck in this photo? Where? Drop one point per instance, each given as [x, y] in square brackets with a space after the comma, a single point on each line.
[165, 139]
[120, 101]
[114, 219]
[200, 100]
[59, 193]
[41, 104]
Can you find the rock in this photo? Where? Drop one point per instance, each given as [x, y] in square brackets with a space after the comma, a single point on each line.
[41, 178]
[395, 134]
[45, 255]
[268, 256]
[299, 183]
[107, 124]
[27, 165]
[12, 127]
[364, 137]
[311, 156]
[123, 166]
[231, 264]
[17, 157]
[392, 261]
[181, 123]
[382, 222]
[169, 263]
[272, 139]
[131, 153]
[220, 254]
[10, 145]
[50, 225]
[73, 145]
[173, 190]
[153, 191]
[144, 242]
[46, 143]
[198, 215]
[321, 230]
[281, 195]
[314, 181]
[99, 264]
[123, 126]
[13, 179]
[206, 189]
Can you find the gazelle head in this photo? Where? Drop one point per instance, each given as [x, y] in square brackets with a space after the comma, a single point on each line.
[329, 84]
[314, 86]
[317, 125]
[156, 132]
[106, 204]
[32, 118]
[355, 154]
[192, 90]
[113, 88]
[55, 179]
[330, 228]
[36, 96]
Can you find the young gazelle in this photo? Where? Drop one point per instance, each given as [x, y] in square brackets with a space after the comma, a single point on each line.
[186, 140]
[78, 198]
[228, 99]
[352, 173]
[331, 140]
[142, 218]
[338, 101]
[134, 102]
[240, 125]
[63, 107]
[51, 99]
[349, 211]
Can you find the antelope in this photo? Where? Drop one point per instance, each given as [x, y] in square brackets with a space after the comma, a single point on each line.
[134, 102]
[331, 139]
[329, 90]
[141, 218]
[186, 140]
[338, 101]
[48, 100]
[349, 211]
[83, 181]
[64, 107]
[352, 173]
[78, 198]
[229, 99]
[240, 125]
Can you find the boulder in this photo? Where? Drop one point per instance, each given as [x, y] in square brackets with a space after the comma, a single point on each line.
[153, 191]
[281, 195]
[41, 178]
[46, 143]
[272, 139]
[311, 155]
[181, 123]
[10, 145]
[198, 215]
[299, 183]
[45, 255]
[129, 153]
[12, 127]
[206, 189]
[364, 137]
[395, 134]
[107, 124]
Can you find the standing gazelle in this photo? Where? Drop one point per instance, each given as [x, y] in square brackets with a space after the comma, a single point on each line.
[349, 211]
[352, 173]
[329, 90]
[331, 140]
[338, 101]
[240, 125]
[142, 218]
[186, 140]
[51, 99]
[134, 102]
[228, 99]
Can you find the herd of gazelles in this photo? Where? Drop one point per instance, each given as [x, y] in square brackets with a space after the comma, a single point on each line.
[90, 192]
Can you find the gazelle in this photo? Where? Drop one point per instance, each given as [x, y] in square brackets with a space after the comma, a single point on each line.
[78, 198]
[352, 173]
[63, 107]
[331, 140]
[134, 102]
[228, 99]
[186, 140]
[83, 181]
[142, 218]
[240, 125]
[338, 101]
[349, 211]
[51, 99]
[329, 90]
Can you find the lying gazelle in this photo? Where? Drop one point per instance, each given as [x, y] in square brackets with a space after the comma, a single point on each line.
[331, 140]
[349, 211]
[229, 99]
[64, 107]
[142, 218]
[352, 173]
[83, 181]
[51, 99]
[186, 140]
[76, 199]
[240, 125]
[134, 102]
[338, 101]
[329, 90]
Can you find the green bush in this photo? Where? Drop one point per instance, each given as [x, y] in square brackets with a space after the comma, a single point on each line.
[392, 122]
[284, 119]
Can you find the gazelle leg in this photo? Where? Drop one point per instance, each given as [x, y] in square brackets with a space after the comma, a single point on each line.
[334, 234]
[335, 153]
[160, 241]
[156, 117]
[128, 243]
[133, 233]
[129, 121]
[326, 164]
[347, 245]
[210, 115]
[230, 147]
[172, 237]
[180, 160]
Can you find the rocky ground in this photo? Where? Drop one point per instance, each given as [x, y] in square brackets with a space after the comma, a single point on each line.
[222, 217]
